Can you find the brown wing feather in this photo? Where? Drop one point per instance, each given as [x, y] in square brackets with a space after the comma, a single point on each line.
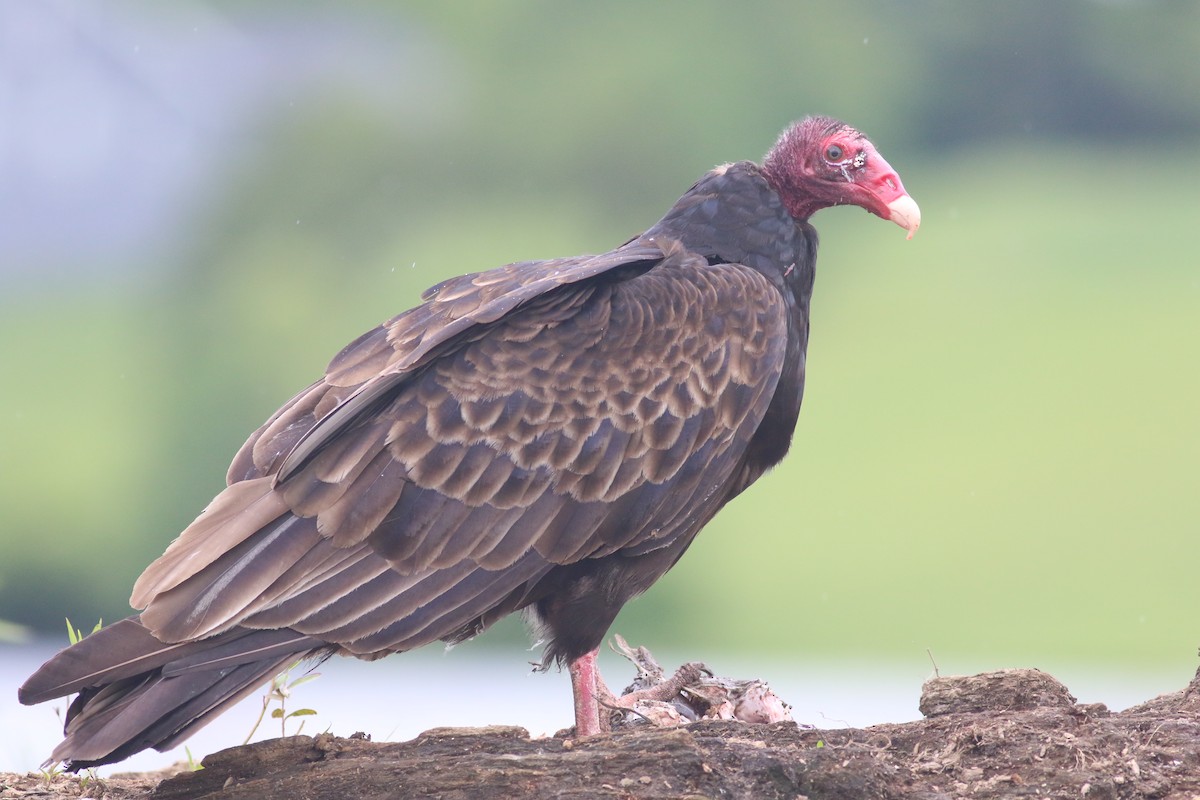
[453, 308]
[526, 411]
[520, 419]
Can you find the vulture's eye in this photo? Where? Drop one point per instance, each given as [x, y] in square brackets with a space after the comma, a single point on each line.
[834, 152]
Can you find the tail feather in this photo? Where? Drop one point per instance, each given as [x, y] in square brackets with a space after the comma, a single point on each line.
[157, 712]
[264, 646]
[156, 694]
[121, 650]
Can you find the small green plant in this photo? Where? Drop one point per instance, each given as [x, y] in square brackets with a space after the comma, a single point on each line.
[75, 635]
[281, 689]
[51, 772]
[192, 764]
[88, 778]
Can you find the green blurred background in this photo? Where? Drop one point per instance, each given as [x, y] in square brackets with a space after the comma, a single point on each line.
[999, 454]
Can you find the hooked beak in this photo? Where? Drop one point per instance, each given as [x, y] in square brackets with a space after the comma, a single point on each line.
[905, 212]
[884, 184]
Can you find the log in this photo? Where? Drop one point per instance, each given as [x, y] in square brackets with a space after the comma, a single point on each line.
[1015, 733]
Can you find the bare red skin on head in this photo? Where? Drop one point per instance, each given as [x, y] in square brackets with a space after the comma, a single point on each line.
[820, 162]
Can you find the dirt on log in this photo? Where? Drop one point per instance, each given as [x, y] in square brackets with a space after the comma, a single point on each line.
[1015, 733]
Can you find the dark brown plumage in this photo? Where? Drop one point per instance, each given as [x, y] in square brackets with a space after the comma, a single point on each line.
[547, 435]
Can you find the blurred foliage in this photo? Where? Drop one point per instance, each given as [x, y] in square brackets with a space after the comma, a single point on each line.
[11, 632]
[998, 451]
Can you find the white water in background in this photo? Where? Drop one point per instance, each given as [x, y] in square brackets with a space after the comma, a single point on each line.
[399, 697]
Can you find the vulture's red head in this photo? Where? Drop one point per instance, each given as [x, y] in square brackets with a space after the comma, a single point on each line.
[819, 162]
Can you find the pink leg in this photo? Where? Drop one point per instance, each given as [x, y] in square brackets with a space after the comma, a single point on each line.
[594, 702]
[585, 689]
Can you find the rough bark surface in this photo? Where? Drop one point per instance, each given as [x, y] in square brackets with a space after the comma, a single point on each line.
[1016, 733]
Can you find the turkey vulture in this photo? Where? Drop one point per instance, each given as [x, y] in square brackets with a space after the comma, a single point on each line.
[547, 436]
